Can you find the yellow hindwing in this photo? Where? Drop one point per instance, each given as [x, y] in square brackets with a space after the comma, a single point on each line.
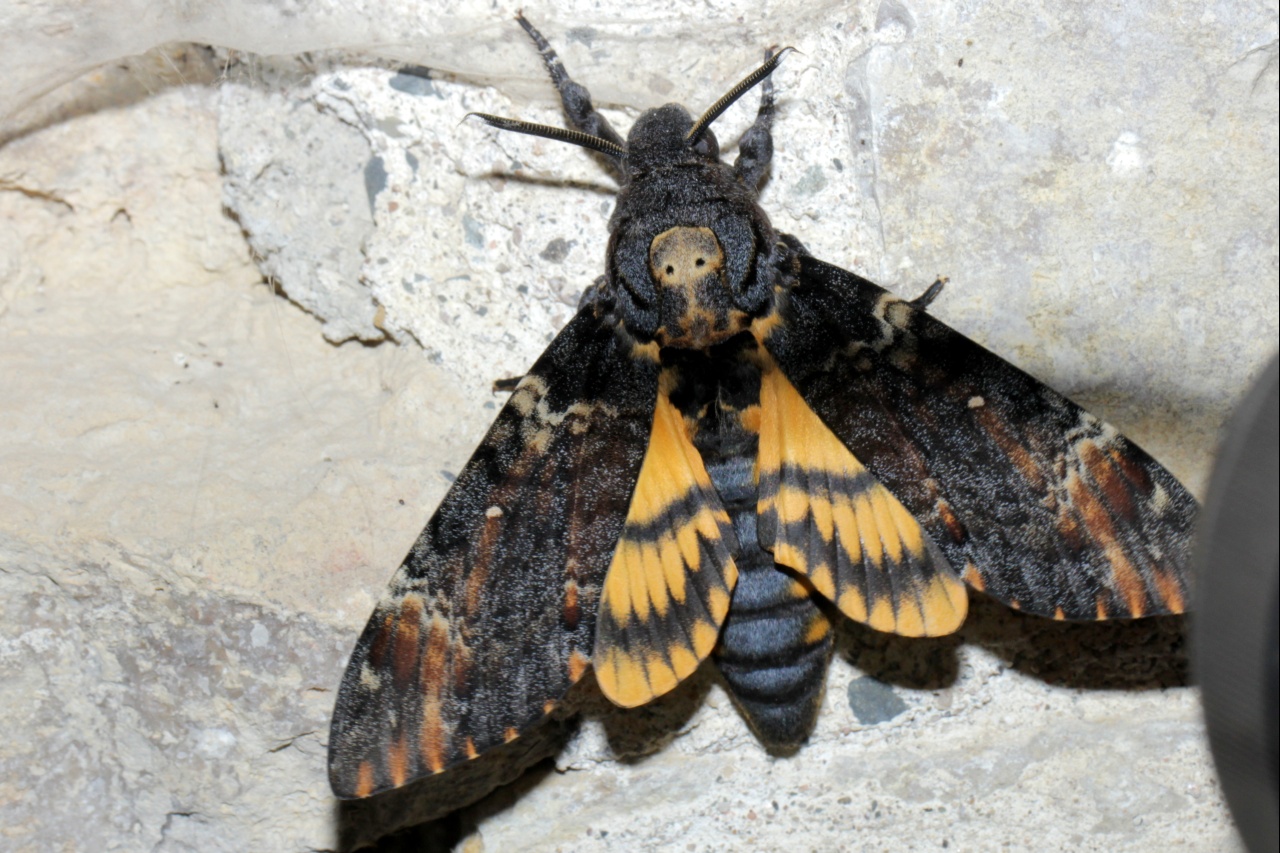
[668, 588]
[825, 516]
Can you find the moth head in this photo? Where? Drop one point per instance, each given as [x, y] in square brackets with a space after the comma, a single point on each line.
[660, 137]
[684, 242]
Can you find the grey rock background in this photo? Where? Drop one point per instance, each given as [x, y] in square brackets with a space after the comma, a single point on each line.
[202, 495]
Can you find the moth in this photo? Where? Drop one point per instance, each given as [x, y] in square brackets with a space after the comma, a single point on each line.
[730, 447]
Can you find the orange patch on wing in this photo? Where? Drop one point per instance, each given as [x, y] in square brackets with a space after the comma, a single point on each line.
[364, 779]
[571, 604]
[661, 607]
[762, 327]
[972, 578]
[646, 352]
[841, 529]
[433, 737]
[398, 761]
[578, 663]
[1115, 490]
[435, 656]
[404, 642]
[954, 527]
[995, 426]
[485, 552]
[1125, 579]
[817, 631]
[1170, 592]
[1132, 471]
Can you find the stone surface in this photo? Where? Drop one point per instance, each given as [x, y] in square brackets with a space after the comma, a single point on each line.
[201, 498]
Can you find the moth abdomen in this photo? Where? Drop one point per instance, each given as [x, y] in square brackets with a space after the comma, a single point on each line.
[775, 642]
[774, 647]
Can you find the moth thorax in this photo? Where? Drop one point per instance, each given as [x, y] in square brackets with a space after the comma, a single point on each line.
[695, 306]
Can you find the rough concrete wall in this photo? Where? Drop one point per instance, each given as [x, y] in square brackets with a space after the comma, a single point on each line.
[201, 498]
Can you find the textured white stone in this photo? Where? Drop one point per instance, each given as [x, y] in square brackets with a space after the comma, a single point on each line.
[200, 499]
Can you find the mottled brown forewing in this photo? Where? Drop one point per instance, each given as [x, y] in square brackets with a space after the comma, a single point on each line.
[491, 617]
[1038, 503]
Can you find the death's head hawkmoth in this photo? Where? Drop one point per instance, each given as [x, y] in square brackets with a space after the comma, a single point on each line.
[731, 446]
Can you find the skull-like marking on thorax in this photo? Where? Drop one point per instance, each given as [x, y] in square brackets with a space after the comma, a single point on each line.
[688, 265]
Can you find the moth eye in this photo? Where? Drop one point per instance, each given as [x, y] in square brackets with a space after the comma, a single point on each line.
[701, 262]
[670, 269]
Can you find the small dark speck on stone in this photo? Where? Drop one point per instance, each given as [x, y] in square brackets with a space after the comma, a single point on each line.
[414, 80]
[810, 182]
[556, 251]
[472, 232]
[449, 476]
[482, 310]
[959, 64]
[835, 161]
[411, 160]
[585, 35]
[375, 179]
[874, 701]
[524, 288]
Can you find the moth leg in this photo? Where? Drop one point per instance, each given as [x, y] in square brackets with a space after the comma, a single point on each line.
[923, 300]
[755, 148]
[597, 296]
[506, 384]
[575, 97]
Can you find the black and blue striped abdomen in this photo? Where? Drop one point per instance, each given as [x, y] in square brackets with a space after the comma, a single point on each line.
[776, 642]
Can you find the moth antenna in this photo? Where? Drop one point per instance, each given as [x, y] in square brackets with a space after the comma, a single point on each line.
[726, 100]
[560, 134]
